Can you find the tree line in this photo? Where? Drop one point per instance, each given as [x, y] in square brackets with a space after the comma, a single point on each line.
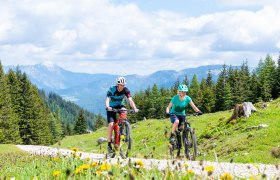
[31, 116]
[234, 85]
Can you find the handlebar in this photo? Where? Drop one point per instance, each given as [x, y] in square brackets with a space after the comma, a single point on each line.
[181, 115]
[197, 113]
[123, 110]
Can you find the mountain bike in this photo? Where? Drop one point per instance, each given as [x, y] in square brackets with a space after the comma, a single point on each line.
[188, 138]
[122, 139]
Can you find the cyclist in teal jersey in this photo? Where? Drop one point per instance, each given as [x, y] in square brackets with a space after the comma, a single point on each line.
[177, 106]
[115, 99]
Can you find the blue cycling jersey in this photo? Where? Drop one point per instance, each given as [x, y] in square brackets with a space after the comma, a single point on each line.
[178, 106]
[117, 97]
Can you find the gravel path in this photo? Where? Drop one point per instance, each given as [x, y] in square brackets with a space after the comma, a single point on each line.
[236, 169]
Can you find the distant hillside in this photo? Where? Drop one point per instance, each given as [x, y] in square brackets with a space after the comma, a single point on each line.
[68, 110]
[235, 142]
[89, 90]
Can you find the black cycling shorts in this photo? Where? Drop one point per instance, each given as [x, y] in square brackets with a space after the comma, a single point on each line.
[111, 115]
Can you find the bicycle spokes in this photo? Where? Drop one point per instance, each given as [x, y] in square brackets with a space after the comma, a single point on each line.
[126, 140]
[190, 144]
[175, 145]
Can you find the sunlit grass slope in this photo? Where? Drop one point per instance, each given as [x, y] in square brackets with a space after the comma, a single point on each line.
[238, 141]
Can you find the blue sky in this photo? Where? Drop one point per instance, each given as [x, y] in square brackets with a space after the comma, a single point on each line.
[138, 36]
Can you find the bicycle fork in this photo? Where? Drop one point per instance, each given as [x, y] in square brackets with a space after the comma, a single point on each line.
[179, 141]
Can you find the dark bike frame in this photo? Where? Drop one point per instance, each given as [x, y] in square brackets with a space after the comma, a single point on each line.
[188, 139]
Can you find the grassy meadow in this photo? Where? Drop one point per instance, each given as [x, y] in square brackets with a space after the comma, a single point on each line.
[239, 141]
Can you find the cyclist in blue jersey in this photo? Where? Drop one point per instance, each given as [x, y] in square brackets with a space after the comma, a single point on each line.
[116, 96]
[177, 106]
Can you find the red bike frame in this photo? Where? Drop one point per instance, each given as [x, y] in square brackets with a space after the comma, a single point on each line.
[121, 117]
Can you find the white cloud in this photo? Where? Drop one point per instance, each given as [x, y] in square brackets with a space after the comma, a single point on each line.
[248, 3]
[100, 36]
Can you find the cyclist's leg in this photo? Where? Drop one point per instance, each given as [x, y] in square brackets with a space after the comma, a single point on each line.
[175, 121]
[182, 120]
[111, 118]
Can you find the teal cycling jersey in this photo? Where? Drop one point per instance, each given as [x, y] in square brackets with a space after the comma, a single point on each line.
[179, 107]
[117, 97]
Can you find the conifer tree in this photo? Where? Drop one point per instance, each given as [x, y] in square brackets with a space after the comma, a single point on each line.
[9, 130]
[194, 89]
[69, 130]
[186, 80]
[139, 99]
[157, 109]
[56, 126]
[81, 124]
[99, 121]
[266, 73]
[34, 121]
[236, 85]
[244, 79]
[220, 89]
[228, 103]
[209, 79]
[15, 87]
[175, 87]
[276, 84]
[166, 96]
[255, 88]
[207, 96]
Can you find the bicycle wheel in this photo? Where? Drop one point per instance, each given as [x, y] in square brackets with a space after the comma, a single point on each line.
[175, 147]
[126, 140]
[190, 143]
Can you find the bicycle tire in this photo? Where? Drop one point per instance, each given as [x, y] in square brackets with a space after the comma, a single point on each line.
[190, 143]
[176, 147]
[126, 141]
[172, 149]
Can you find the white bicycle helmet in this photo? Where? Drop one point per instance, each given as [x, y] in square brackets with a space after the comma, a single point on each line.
[121, 80]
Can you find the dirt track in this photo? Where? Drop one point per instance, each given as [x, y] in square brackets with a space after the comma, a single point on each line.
[236, 169]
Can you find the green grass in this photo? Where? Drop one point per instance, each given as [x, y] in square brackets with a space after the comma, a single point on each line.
[16, 164]
[14, 160]
[230, 142]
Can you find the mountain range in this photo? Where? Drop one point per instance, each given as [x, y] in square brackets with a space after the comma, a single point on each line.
[89, 90]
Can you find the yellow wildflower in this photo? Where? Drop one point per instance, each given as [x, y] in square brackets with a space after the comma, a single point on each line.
[190, 171]
[93, 164]
[78, 170]
[55, 159]
[74, 149]
[122, 137]
[98, 173]
[105, 167]
[139, 163]
[209, 168]
[85, 166]
[226, 176]
[56, 173]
